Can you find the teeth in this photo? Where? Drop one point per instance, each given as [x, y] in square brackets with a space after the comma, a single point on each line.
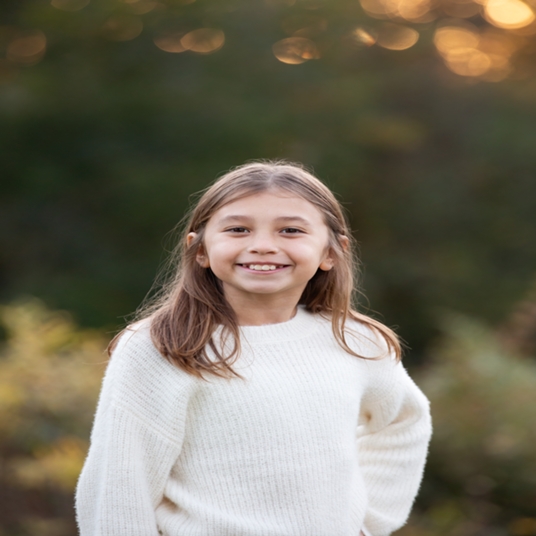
[261, 267]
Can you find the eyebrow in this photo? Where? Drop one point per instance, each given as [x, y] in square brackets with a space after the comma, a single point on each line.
[237, 217]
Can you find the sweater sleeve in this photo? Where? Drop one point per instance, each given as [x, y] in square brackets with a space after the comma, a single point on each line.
[392, 444]
[136, 439]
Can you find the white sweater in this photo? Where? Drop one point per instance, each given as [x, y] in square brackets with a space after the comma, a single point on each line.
[312, 442]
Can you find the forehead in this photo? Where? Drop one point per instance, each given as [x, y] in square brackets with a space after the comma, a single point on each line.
[273, 204]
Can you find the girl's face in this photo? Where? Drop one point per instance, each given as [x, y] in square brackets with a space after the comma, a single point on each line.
[265, 246]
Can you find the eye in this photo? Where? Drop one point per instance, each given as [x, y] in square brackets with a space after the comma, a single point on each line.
[237, 230]
[291, 230]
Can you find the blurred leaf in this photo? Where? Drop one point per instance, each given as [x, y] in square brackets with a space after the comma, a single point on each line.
[50, 373]
[483, 399]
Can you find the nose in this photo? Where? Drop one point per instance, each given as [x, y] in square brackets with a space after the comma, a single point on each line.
[262, 244]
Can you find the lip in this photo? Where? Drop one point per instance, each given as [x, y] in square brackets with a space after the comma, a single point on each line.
[279, 267]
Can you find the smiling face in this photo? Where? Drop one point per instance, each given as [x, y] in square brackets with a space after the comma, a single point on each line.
[265, 246]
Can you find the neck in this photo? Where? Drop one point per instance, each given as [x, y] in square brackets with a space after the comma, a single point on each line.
[258, 312]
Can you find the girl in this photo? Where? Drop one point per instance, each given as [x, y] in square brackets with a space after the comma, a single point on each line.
[250, 399]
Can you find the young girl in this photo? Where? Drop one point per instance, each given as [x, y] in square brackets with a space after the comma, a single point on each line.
[250, 399]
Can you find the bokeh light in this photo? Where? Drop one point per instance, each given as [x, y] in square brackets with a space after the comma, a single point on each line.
[140, 7]
[459, 47]
[468, 61]
[305, 25]
[27, 48]
[508, 14]
[295, 50]
[467, 51]
[409, 10]
[415, 10]
[462, 9]
[364, 36]
[114, 122]
[380, 8]
[448, 38]
[396, 37]
[170, 42]
[122, 27]
[203, 40]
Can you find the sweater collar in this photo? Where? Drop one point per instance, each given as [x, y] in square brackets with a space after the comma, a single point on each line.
[299, 326]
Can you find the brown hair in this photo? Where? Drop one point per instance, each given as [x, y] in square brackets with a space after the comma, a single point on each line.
[191, 304]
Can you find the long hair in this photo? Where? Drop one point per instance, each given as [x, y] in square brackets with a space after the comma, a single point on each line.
[191, 304]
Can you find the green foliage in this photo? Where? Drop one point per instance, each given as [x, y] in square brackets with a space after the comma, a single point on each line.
[482, 467]
[103, 142]
[50, 372]
[480, 479]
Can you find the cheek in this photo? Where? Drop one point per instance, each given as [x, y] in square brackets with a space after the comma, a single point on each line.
[220, 252]
[309, 257]
[314, 250]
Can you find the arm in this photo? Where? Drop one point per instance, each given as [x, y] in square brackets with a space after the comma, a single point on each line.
[123, 478]
[393, 446]
[136, 439]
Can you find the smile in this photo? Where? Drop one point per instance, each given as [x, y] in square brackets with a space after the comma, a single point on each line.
[263, 267]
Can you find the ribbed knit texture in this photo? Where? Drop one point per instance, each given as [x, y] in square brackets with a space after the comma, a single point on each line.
[312, 442]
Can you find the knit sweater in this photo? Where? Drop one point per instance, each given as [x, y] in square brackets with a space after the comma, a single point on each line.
[311, 441]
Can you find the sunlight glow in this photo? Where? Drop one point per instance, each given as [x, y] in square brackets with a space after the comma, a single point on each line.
[27, 48]
[413, 10]
[203, 40]
[508, 14]
[450, 38]
[468, 52]
[363, 36]
[468, 61]
[462, 9]
[396, 37]
[170, 42]
[380, 8]
[295, 50]
[410, 10]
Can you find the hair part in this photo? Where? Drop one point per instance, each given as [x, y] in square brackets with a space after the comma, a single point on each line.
[190, 304]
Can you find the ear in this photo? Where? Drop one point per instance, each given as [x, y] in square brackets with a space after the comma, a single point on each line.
[200, 256]
[329, 262]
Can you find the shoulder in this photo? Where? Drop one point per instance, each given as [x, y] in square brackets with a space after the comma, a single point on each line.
[385, 373]
[386, 381]
[366, 341]
[138, 376]
[136, 351]
[360, 337]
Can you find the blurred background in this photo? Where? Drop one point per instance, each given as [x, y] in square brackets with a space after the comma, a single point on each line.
[420, 114]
